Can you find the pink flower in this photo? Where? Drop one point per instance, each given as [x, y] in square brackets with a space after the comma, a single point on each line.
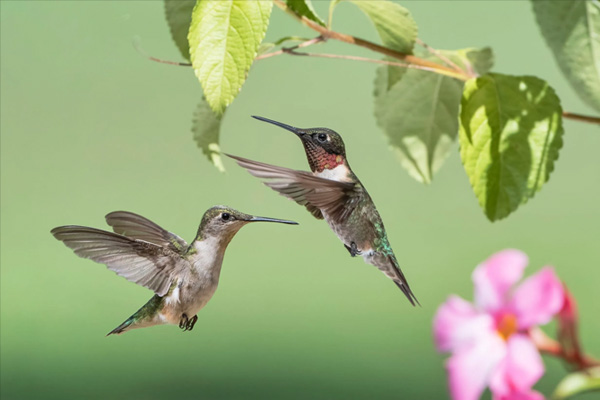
[489, 340]
[529, 395]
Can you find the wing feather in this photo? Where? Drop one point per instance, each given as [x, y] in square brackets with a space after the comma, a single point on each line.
[337, 199]
[138, 261]
[137, 227]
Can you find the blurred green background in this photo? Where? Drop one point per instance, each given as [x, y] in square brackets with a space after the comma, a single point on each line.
[90, 126]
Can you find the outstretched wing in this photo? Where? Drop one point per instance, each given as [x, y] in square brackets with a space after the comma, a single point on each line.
[337, 199]
[138, 261]
[137, 227]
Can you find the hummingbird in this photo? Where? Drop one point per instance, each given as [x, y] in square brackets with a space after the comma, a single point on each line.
[334, 193]
[183, 277]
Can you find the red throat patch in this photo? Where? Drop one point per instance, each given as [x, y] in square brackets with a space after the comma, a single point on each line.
[321, 160]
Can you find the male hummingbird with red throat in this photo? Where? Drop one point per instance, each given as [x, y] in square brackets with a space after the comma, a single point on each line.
[334, 193]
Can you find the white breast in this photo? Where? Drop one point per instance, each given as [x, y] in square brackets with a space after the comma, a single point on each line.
[206, 256]
[203, 282]
[339, 173]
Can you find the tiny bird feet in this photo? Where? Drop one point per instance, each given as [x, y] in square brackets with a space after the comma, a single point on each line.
[187, 324]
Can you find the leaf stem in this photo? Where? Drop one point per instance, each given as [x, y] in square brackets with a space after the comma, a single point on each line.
[442, 57]
[342, 37]
[580, 117]
[332, 5]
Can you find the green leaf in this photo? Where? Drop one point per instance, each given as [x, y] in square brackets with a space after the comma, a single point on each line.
[179, 17]
[572, 30]
[395, 25]
[510, 134]
[392, 75]
[224, 38]
[304, 8]
[578, 382]
[206, 127]
[418, 110]
[481, 61]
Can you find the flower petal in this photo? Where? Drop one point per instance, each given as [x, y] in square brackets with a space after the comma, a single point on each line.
[520, 369]
[494, 277]
[538, 299]
[529, 395]
[470, 368]
[457, 323]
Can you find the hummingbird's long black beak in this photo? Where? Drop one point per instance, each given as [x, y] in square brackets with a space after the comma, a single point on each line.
[290, 128]
[264, 219]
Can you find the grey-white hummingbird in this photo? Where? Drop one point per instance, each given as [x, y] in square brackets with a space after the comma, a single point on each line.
[334, 193]
[183, 277]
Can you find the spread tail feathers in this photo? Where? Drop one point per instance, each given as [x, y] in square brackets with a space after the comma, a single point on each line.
[408, 293]
[402, 283]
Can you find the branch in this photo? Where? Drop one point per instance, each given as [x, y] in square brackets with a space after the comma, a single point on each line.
[342, 37]
[579, 117]
[411, 61]
[442, 57]
[291, 51]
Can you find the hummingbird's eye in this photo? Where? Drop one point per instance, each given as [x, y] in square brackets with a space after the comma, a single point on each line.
[322, 137]
[225, 216]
